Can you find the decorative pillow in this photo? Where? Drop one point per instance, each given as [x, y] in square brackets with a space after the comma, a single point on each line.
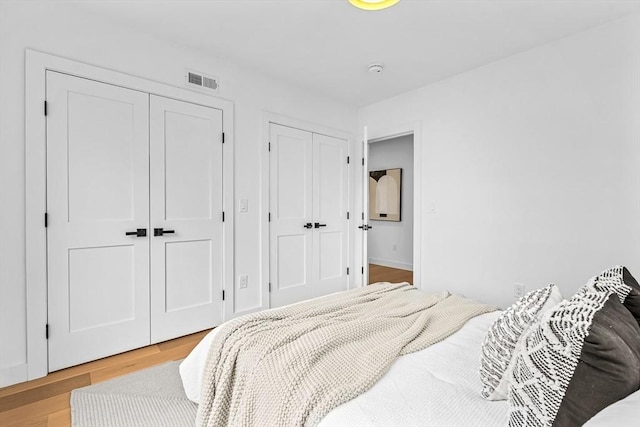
[632, 301]
[580, 357]
[501, 340]
[619, 280]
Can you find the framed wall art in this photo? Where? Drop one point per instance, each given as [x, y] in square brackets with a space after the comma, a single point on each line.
[385, 194]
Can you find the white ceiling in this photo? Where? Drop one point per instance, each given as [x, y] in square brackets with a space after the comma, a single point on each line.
[326, 45]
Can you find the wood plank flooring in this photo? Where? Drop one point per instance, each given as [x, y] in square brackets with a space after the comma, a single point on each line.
[45, 401]
[379, 273]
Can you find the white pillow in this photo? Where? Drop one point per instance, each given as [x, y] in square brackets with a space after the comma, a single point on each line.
[501, 342]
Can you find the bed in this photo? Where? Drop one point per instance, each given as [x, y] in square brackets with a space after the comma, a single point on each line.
[438, 385]
[403, 386]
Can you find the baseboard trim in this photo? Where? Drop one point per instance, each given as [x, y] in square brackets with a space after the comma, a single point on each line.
[392, 264]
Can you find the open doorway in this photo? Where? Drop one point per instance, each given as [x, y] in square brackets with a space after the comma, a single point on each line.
[391, 209]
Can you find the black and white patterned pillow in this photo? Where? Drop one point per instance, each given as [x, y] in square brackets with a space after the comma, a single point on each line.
[579, 357]
[619, 280]
[501, 341]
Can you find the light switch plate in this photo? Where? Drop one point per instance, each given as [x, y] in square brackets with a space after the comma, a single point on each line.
[244, 281]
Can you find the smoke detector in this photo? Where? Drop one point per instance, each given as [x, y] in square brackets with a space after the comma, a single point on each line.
[375, 68]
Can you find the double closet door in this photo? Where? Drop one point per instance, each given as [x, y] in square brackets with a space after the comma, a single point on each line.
[134, 212]
[308, 204]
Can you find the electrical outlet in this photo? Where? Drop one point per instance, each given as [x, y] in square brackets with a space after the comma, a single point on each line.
[244, 281]
[518, 290]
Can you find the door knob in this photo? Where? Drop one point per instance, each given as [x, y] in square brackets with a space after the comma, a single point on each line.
[140, 232]
[162, 231]
[318, 225]
[308, 225]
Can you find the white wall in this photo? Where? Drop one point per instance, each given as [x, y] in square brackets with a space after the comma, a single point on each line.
[60, 29]
[533, 163]
[390, 154]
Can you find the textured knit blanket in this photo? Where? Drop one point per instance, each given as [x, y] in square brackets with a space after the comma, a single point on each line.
[290, 366]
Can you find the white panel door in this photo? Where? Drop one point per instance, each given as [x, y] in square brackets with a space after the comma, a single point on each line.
[186, 205]
[97, 191]
[364, 226]
[291, 215]
[330, 206]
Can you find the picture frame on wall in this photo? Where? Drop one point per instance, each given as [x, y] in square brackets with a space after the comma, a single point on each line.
[385, 195]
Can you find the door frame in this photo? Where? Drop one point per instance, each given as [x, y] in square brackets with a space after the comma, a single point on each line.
[381, 133]
[36, 66]
[266, 119]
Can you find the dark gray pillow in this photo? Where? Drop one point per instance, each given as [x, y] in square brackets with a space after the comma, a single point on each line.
[608, 368]
[580, 357]
[632, 301]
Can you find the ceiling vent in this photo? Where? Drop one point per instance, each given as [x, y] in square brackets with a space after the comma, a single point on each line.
[201, 81]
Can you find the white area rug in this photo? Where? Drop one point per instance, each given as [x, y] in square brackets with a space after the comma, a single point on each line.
[153, 397]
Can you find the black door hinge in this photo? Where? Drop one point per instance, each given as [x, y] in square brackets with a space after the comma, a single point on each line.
[269, 286]
[363, 161]
[363, 216]
[347, 271]
[269, 147]
[269, 216]
[347, 159]
[222, 216]
[347, 215]
[45, 108]
[362, 270]
[223, 295]
[46, 220]
[223, 137]
[46, 331]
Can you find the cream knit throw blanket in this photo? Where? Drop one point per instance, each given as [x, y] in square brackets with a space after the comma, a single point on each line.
[290, 366]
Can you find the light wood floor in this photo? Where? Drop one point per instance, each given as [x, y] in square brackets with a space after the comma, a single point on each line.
[379, 273]
[45, 401]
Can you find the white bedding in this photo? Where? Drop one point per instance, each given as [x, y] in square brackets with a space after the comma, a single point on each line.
[421, 388]
[436, 386]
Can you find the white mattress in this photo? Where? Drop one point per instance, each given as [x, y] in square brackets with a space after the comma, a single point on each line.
[436, 386]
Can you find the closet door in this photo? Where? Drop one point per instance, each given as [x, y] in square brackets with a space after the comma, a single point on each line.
[290, 207]
[97, 193]
[330, 206]
[186, 218]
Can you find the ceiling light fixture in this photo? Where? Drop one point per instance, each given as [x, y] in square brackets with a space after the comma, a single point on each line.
[373, 4]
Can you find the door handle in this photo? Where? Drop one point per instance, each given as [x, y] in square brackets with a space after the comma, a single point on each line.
[365, 227]
[162, 232]
[308, 225]
[140, 232]
[318, 225]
